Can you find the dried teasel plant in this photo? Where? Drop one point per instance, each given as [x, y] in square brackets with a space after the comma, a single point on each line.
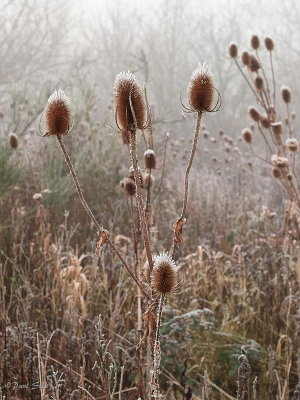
[268, 115]
[158, 278]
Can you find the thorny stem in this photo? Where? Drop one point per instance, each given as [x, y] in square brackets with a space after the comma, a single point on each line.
[263, 135]
[245, 77]
[91, 215]
[134, 160]
[187, 173]
[273, 77]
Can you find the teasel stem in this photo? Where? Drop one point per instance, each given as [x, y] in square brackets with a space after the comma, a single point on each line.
[91, 215]
[265, 139]
[163, 168]
[186, 179]
[273, 78]
[246, 79]
[289, 119]
[190, 163]
[156, 350]
[263, 71]
[134, 160]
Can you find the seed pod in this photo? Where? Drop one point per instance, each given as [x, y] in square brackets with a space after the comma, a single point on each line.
[129, 186]
[269, 44]
[233, 50]
[246, 58]
[126, 91]
[201, 89]
[276, 173]
[148, 180]
[164, 279]
[149, 159]
[286, 94]
[277, 128]
[254, 64]
[265, 122]
[13, 141]
[280, 162]
[57, 114]
[254, 114]
[247, 135]
[255, 42]
[292, 144]
[259, 83]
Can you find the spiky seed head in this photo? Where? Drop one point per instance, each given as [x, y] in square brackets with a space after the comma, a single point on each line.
[129, 186]
[269, 44]
[289, 177]
[254, 64]
[292, 144]
[276, 173]
[245, 58]
[149, 159]
[255, 42]
[277, 128]
[247, 135]
[164, 276]
[13, 141]
[265, 121]
[233, 50]
[259, 83]
[127, 92]
[57, 114]
[280, 162]
[201, 89]
[254, 114]
[221, 132]
[286, 94]
[148, 180]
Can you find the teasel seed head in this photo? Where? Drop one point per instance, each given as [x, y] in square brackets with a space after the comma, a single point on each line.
[247, 135]
[254, 113]
[129, 186]
[245, 58]
[255, 42]
[148, 180]
[292, 144]
[233, 50]
[280, 162]
[164, 275]
[277, 128]
[13, 141]
[221, 133]
[254, 64]
[276, 173]
[286, 94]
[265, 121]
[289, 177]
[269, 44]
[259, 83]
[57, 114]
[201, 89]
[149, 159]
[126, 90]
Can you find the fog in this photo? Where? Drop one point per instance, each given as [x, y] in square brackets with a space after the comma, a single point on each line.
[81, 46]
